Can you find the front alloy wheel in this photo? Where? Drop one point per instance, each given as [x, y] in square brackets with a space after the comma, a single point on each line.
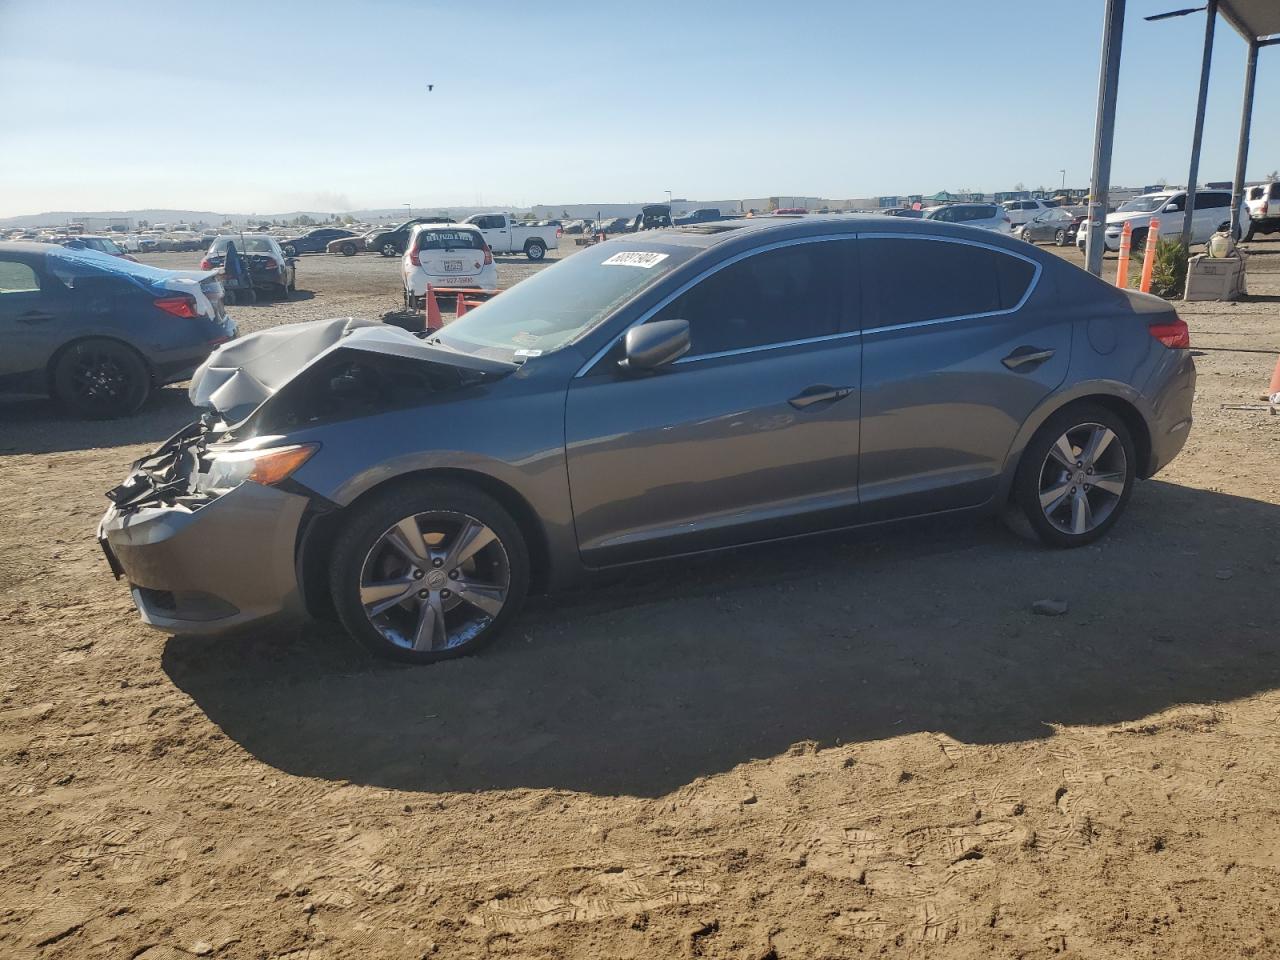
[429, 574]
[389, 250]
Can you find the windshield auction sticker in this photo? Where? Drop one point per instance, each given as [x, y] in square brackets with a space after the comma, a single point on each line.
[635, 258]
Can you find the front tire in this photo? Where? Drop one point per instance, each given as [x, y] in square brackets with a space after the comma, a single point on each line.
[1060, 238]
[1075, 476]
[100, 379]
[348, 249]
[428, 571]
[389, 250]
[536, 250]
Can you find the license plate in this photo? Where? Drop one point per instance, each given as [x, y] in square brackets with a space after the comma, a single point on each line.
[457, 282]
[453, 266]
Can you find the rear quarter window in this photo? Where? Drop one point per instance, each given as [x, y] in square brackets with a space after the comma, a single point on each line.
[914, 279]
[17, 277]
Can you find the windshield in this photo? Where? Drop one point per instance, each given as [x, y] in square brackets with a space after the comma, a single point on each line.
[1143, 204]
[245, 244]
[559, 304]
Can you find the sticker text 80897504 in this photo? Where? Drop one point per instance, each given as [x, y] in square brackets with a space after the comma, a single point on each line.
[635, 258]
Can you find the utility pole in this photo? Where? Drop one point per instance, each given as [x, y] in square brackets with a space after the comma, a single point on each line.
[1104, 134]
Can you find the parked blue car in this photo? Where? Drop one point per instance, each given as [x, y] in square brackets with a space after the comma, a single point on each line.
[98, 332]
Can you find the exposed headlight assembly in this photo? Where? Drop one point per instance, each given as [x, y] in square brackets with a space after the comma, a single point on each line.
[268, 466]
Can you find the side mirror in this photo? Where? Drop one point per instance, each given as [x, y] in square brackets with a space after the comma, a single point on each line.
[653, 345]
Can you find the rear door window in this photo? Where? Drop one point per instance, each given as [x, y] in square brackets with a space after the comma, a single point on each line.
[959, 279]
[1207, 200]
[17, 277]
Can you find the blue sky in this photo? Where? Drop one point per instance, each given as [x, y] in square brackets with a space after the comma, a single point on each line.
[267, 107]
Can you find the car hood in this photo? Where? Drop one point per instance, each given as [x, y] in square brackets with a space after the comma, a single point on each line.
[1128, 215]
[244, 374]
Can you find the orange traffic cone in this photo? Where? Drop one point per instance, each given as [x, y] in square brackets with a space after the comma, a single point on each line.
[1273, 392]
[461, 308]
[434, 320]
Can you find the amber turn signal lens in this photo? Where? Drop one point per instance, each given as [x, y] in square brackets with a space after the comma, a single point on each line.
[275, 465]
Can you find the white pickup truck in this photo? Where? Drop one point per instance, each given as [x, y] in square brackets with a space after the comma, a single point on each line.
[504, 235]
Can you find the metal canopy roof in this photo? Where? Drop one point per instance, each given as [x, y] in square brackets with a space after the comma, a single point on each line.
[1252, 19]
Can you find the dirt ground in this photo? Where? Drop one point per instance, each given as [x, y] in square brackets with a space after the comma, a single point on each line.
[857, 745]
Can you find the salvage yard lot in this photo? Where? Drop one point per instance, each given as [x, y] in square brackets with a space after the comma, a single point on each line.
[858, 744]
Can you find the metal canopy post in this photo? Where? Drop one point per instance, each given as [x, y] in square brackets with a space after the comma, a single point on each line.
[1193, 174]
[1242, 151]
[1104, 133]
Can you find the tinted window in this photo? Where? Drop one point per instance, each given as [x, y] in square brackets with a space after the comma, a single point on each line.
[792, 293]
[1275, 191]
[17, 277]
[982, 212]
[1207, 200]
[919, 279]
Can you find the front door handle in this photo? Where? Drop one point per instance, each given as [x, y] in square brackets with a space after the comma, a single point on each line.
[35, 316]
[817, 394]
[1027, 358]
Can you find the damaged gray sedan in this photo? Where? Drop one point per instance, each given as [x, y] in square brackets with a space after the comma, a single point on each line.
[675, 392]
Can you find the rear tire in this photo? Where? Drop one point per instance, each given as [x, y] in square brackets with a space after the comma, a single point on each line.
[371, 555]
[1065, 492]
[1060, 238]
[100, 379]
[348, 249]
[290, 250]
[535, 250]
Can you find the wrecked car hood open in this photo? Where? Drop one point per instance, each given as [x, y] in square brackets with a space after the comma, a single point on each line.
[243, 375]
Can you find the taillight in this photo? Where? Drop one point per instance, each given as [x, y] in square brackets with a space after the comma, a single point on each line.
[488, 256]
[178, 306]
[414, 258]
[205, 264]
[559, 232]
[1173, 334]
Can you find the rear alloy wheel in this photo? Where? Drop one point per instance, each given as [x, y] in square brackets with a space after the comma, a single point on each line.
[348, 249]
[429, 573]
[389, 250]
[1076, 475]
[535, 250]
[101, 379]
[1060, 238]
[290, 250]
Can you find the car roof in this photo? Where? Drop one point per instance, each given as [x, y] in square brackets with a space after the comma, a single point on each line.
[437, 224]
[753, 231]
[29, 247]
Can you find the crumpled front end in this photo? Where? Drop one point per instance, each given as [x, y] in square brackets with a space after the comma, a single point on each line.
[202, 562]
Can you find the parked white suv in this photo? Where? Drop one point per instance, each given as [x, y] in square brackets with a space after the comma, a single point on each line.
[1213, 209]
[1024, 211]
[446, 255]
[987, 216]
[1263, 201]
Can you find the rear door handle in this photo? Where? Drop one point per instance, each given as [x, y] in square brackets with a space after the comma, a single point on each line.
[35, 316]
[819, 393]
[1027, 358]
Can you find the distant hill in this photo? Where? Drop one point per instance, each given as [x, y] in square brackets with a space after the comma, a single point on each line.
[58, 218]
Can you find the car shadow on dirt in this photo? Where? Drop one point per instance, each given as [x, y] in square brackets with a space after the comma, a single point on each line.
[39, 426]
[643, 683]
